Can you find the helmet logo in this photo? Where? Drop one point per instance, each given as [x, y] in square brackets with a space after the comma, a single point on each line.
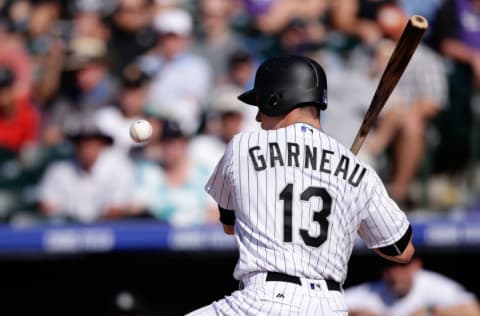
[273, 100]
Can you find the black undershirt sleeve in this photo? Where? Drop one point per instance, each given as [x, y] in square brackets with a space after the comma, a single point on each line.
[227, 217]
[398, 247]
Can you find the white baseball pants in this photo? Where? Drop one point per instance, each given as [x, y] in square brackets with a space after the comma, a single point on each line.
[260, 297]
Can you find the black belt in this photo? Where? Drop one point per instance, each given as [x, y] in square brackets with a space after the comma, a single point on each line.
[282, 277]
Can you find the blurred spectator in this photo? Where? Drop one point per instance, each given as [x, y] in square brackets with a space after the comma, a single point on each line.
[350, 91]
[298, 37]
[172, 189]
[96, 184]
[43, 16]
[116, 120]
[88, 22]
[131, 33]
[19, 120]
[241, 70]
[421, 93]
[93, 89]
[50, 60]
[456, 34]
[217, 41]
[227, 118]
[14, 54]
[426, 9]
[45, 39]
[358, 18]
[410, 290]
[273, 15]
[240, 76]
[181, 79]
[19, 13]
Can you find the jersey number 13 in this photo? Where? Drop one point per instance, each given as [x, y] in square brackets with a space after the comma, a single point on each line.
[319, 216]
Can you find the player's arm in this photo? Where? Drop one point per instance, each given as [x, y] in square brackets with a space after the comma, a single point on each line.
[227, 218]
[400, 251]
[384, 227]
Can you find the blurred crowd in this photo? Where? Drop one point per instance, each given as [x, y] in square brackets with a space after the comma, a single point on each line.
[75, 74]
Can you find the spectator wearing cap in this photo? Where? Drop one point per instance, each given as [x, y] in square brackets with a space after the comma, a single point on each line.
[181, 79]
[93, 88]
[19, 119]
[172, 188]
[95, 184]
[116, 120]
[217, 41]
[131, 33]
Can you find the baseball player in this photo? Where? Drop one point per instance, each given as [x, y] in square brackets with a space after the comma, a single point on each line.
[295, 199]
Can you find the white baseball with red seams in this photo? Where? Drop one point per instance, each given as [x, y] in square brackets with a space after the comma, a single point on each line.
[141, 131]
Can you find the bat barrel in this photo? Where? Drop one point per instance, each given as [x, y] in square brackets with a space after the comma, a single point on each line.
[419, 21]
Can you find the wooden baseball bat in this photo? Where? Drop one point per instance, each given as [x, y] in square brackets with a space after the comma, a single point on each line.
[404, 49]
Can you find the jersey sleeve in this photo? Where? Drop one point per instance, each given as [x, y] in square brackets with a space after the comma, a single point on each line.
[383, 223]
[220, 184]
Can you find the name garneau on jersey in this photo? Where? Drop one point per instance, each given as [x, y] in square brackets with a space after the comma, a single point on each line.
[299, 199]
[309, 156]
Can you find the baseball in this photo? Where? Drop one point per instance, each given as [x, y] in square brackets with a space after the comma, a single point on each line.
[141, 131]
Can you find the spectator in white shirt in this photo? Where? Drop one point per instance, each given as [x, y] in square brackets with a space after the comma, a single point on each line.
[95, 184]
[181, 79]
[410, 290]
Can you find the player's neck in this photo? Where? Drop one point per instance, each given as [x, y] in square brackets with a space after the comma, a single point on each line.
[299, 117]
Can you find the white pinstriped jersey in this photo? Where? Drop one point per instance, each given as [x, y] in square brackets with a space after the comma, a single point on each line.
[299, 198]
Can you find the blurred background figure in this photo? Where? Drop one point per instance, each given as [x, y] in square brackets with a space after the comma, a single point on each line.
[97, 183]
[172, 188]
[273, 15]
[14, 54]
[240, 70]
[358, 18]
[180, 78]
[131, 33]
[115, 120]
[19, 119]
[92, 87]
[226, 118]
[456, 35]
[420, 95]
[410, 290]
[217, 41]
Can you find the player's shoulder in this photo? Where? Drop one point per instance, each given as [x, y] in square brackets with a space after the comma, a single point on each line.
[247, 137]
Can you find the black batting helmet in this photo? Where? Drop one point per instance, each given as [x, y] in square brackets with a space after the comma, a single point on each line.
[286, 82]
